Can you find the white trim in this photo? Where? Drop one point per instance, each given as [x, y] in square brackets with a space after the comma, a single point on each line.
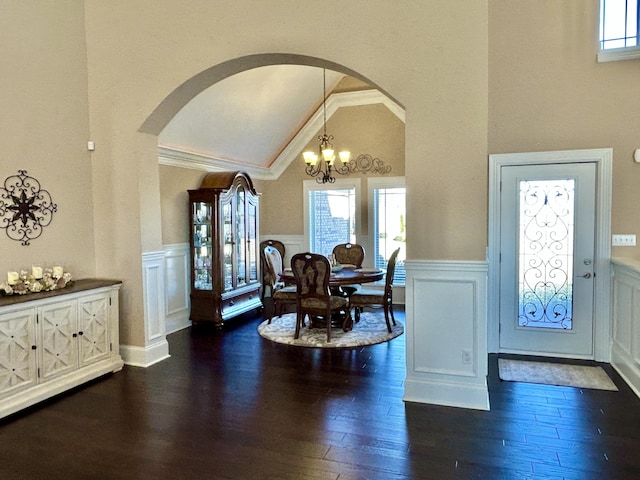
[177, 287]
[153, 284]
[625, 350]
[175, 157]
[154, 301]
[292, 244]
[144, 356]
[603, 158]
[446, 322]
[315, 123]
[374, 183]
[618, 54]
[340, 184]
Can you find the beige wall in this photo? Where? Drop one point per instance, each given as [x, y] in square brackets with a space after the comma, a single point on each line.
[371, 129]
[474, 77]
[44, 129]
[547, 92]
[174, 183]
[145, 59]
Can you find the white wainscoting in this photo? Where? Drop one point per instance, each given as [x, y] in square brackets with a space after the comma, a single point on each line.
[625, 348]
[167, 308]
[446, 332]
[177, 281]
[156, 347]
[292, 244]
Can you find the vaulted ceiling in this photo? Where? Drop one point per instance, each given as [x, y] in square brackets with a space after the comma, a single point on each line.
[251, 120]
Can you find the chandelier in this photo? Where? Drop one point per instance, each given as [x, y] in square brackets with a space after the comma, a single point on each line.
[322, 164]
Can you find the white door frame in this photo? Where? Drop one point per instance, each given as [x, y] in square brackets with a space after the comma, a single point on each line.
[602, 266]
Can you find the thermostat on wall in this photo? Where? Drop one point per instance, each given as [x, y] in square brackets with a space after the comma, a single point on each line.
[636, 155]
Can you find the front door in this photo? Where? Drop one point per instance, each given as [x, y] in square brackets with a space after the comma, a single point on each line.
[547, 248]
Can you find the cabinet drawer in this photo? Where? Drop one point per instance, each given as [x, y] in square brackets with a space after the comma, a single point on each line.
[240, 303]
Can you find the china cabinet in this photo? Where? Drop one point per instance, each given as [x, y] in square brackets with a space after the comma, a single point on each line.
[53, 341]
[223, 227]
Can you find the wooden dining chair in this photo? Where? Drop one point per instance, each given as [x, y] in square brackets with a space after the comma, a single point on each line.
[278, 245]
[274, 288]
[367, 297]
[349, 254]
[312, 272]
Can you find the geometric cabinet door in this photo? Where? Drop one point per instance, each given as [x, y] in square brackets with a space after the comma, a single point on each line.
[58, 354]
[93, 329]
[17, 357]
[73, 334]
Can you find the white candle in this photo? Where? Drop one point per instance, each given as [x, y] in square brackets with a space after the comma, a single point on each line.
[12, 278]
[57, 271]
[36, 272]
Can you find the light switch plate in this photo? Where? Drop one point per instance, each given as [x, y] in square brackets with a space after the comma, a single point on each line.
[623, 241]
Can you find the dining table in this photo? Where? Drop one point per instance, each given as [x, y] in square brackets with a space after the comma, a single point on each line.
[347, 275]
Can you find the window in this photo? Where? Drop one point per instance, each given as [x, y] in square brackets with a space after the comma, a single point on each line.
[388, 222]
[619, 29]
[330, 214]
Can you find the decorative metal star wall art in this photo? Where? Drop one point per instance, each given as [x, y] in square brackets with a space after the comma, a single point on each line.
[25, 208]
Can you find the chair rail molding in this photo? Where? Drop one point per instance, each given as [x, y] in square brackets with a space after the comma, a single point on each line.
[292, 244]
[446, 329]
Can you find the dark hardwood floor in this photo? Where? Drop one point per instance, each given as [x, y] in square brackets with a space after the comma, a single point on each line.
[235, 406]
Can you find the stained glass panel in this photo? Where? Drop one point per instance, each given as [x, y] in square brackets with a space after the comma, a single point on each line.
[545, 272]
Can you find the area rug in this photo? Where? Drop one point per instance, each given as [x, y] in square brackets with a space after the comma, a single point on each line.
[371, 329]
[555, 374]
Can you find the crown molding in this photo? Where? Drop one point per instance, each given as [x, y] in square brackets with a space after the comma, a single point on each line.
[333, 103]
[177, 157]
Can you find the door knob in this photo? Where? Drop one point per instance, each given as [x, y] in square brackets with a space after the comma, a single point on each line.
[586, 275]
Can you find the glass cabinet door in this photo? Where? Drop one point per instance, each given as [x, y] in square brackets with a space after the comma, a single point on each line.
[252, 239]
[202, 235]
[241, 241]
[227, 246]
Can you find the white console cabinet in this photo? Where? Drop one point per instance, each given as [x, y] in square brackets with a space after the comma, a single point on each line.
[53, 341]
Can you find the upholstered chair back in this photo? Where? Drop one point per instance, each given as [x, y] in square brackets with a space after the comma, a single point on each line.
[312, 272]
[273, 266]
[349, 254]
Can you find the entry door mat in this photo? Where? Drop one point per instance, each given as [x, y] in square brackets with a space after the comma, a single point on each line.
[555, 374]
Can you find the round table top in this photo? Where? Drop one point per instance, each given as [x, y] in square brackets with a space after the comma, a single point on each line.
[345, 276]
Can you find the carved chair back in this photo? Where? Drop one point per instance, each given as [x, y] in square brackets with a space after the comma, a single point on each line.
[312, 272]
[349, 254]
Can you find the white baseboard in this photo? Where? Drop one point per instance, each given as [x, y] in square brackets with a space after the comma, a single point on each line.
[450, 394]
[144, 356]
[176, 323]
[626, 367]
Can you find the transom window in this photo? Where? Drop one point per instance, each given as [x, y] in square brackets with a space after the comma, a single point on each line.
[619, 30]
